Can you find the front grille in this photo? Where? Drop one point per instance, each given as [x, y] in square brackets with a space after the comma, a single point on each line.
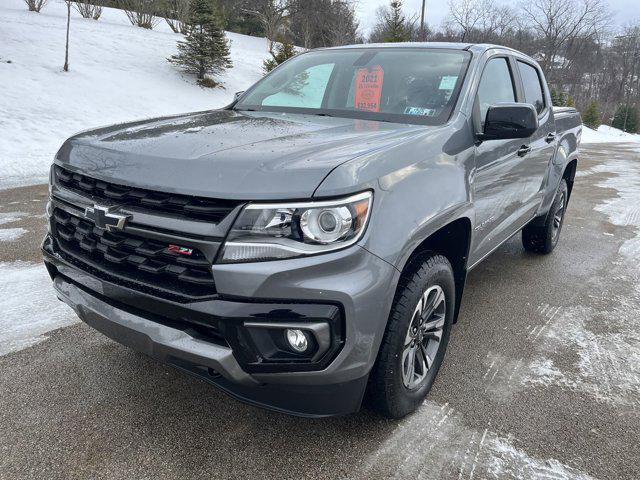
[136, 262]
[196, 208]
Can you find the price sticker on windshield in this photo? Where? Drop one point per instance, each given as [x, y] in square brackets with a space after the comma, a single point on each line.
[369, 88]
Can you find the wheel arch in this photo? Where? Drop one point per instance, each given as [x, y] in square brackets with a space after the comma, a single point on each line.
[569, 174]
[453, 241]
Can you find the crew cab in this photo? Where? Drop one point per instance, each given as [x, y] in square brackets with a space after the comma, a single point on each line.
[307, 246]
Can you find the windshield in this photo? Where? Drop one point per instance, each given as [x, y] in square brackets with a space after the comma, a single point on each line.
[405, 85]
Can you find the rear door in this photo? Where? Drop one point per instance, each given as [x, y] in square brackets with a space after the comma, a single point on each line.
[542, 143]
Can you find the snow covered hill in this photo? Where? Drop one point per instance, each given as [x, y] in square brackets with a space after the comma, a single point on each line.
[607, 134]
[118, 72]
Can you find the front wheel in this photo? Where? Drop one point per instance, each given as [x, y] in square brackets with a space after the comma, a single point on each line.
[416, 338]
[544, 238]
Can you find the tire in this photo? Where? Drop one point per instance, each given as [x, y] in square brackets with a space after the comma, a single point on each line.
[544, 238]
[395, 390]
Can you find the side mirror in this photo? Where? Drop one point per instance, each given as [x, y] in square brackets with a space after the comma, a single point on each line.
[509, 120]
[237, 95]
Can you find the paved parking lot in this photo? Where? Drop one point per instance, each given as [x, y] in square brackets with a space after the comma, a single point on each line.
[541, 380]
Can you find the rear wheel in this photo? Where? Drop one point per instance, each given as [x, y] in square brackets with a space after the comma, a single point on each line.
[416, 338]
[544, 238]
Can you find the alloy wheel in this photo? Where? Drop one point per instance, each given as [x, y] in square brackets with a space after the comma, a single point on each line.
[423, 337]
[557, 218]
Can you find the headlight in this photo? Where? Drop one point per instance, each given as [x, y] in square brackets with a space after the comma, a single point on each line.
[288, 230]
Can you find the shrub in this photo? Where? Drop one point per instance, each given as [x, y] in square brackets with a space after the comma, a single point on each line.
[626, 119]
[176, 13]
[88, 10]
[35, 5]
[208, 82]
[141, 13]
[592, 116]
[284, 51]
[557, 98]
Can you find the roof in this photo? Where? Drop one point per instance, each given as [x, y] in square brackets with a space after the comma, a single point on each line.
[474, 47]
[449, 45]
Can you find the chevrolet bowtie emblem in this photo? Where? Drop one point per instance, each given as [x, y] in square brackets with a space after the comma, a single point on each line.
[104, 219]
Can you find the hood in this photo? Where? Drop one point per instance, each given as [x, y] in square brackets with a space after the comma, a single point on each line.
[227, 154]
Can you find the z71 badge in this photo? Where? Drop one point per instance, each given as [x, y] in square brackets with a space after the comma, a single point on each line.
[180, 250]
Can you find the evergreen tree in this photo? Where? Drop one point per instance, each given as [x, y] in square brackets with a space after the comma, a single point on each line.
[626, 119]
[557, 98]
[570, 102]
[205, 50]
[592, 116]
[284, 51]
[396, 28]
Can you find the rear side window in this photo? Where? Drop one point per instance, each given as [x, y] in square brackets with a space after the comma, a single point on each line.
[496, 86]
[532, 86]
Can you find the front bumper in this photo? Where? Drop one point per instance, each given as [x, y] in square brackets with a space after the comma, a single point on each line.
[359, 283]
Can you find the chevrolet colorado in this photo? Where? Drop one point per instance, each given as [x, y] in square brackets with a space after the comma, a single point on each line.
[309, 243]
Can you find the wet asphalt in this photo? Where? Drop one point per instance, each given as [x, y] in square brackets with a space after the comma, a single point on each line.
[521, 393]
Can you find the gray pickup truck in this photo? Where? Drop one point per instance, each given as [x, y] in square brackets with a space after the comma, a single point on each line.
[306, 247]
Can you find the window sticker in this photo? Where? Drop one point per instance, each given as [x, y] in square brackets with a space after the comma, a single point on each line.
[422, 111]
[369, 88]
[448, 82]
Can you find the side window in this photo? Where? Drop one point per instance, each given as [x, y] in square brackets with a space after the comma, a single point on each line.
[496, 86]
[305, 90]
[532, 86]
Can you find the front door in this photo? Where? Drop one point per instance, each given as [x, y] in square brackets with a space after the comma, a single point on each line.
[499, 188]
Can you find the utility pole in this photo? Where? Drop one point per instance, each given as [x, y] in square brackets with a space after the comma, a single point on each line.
[423, 33]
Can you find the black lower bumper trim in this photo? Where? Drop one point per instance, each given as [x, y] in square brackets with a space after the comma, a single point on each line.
[311, 401]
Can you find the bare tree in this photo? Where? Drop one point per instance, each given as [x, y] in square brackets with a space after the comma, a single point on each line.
[141, 13]
[175, 14]
[583, 61]
[558, 23]
[319, 23]
[307, 28]
[272, 16]
[66, 46]
[35, 5]
[497, 23]
[467, 15]
[88, 10]
[342, 25]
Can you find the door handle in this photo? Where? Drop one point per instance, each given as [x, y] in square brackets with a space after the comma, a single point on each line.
[523, 150]
[550, 138]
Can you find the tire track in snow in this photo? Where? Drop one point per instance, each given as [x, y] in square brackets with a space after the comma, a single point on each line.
[435, 437]
[603, 339]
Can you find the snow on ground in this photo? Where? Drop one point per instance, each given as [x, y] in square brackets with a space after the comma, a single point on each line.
[29, 306]
[118, 73]
[607, 350]
[11, 234]
[8, 217]
[602, 339]
[624, 209]
[607, 134]
[434, 442]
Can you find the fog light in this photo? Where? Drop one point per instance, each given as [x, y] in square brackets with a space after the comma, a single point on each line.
[297, 339]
